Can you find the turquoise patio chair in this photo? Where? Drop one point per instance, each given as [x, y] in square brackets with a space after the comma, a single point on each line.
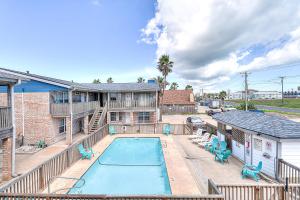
[223, 156]
[221, 148]
[112, 130]
[167, 129]
[252, 171]
[85, 154]
[214, 145]
[209, 144]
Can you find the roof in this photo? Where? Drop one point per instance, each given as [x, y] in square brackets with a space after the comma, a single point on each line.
[177, 97]
[86, 86]
[119, 87]
[270, 125]
[9, 78]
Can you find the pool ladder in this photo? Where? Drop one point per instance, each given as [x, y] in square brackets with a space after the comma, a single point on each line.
[69, 178]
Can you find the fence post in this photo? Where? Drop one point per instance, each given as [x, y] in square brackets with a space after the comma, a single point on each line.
[256, 193]
[41, 178]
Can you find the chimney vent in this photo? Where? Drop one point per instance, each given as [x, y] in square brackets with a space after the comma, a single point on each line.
[27, 72]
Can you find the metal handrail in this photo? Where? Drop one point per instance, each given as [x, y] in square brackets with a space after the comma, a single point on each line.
[63, 177]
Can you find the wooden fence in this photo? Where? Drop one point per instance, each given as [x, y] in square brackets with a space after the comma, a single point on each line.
[37, 179]
[176, 129]
[177, 109]
[5, 118]
[260, 192]
[287, 171]
[89, 197]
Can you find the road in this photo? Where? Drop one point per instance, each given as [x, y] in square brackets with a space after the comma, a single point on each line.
[263, 107]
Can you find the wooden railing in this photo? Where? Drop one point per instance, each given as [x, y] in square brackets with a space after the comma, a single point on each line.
[212, 188]
[103, 116]
[89, 197]
[287, 171]
[260, 192]
[63, 109]
[176, 129]
[37, 179]
[131, 104]
[5, 118]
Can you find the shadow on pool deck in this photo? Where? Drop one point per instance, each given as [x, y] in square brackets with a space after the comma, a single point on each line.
[204, 167]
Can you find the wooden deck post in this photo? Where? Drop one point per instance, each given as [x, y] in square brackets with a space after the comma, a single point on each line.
[12, 105]
[69, 120]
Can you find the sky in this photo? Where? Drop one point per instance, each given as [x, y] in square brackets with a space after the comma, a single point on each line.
[211, 41]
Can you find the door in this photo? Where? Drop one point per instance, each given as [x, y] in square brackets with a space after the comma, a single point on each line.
[128, 99]
[127, 118]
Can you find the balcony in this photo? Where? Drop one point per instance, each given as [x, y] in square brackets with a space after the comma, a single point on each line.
[132, 105]
[63, 109]
[5, 122]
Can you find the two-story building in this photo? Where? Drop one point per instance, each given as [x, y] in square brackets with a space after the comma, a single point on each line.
[7, 124]
[51, 109]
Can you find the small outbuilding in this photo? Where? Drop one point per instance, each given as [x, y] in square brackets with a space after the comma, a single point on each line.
[255, 137]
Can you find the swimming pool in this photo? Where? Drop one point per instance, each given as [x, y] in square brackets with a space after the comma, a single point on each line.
[129, 166]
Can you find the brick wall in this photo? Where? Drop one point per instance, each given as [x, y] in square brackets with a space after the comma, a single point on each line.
[38, 123]
[7, 158]
[152, 117]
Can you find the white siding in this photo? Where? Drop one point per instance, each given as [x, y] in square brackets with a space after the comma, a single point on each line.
[268, 163]
[238, 150]
[290, 152]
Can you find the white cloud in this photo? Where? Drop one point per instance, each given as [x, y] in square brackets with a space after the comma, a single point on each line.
[96, 2]
[205, 38]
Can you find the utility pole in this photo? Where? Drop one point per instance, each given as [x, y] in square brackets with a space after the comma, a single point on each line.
[282, 78]
[246, 88]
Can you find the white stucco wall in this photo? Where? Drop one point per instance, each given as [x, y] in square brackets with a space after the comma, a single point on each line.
[290, 152]
[268, 163]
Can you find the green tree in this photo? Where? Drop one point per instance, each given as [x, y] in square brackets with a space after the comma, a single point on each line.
[165, 66]
[189, 87]
[96, 81]
[222, 95]
[110, 80]
[174, 86]
[141, 80]
[242, 106]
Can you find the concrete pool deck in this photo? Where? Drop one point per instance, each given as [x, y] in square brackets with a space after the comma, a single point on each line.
[181, 179]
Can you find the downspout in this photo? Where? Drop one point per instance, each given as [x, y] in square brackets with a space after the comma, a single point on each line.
[23, 115]
[12, 104]
[276, 161]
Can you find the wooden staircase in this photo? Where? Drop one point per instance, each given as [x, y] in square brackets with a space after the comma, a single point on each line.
[98, 119]
[94, 124]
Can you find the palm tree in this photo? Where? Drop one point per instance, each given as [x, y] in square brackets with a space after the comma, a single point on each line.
[96, 81]
[174, 86]
[141, 80]
[165, 66]
[189, 87]
[160, 81]
[222, 96]
[110, 80]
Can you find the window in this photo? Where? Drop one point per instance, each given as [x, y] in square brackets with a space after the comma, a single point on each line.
[62, 126]
[60, 97]
[113, 116]
[257, 144]
[113, 96]
[143, 117]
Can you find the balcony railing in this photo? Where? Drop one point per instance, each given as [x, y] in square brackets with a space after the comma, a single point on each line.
[132, 104]
[5, 118]
[63, 109]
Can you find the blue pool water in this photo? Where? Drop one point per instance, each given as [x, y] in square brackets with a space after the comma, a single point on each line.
[129, 166]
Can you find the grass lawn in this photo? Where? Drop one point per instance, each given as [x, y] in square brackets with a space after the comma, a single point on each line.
[288, 103]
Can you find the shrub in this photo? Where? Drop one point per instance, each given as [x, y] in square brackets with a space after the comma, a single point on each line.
[242, 106]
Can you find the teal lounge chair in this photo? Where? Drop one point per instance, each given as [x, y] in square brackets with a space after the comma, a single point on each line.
[209, 144]
[221, 148]
[166, 129]
[223, 156]
[252, 171]
[214, 145]
[84, 153]
[112, 130]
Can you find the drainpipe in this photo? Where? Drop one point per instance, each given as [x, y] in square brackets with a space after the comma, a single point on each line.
[12, 104]
[23, 115]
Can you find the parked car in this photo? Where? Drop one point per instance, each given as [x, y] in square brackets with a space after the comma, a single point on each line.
[227, 108]
[196, 122]
[213, 111]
